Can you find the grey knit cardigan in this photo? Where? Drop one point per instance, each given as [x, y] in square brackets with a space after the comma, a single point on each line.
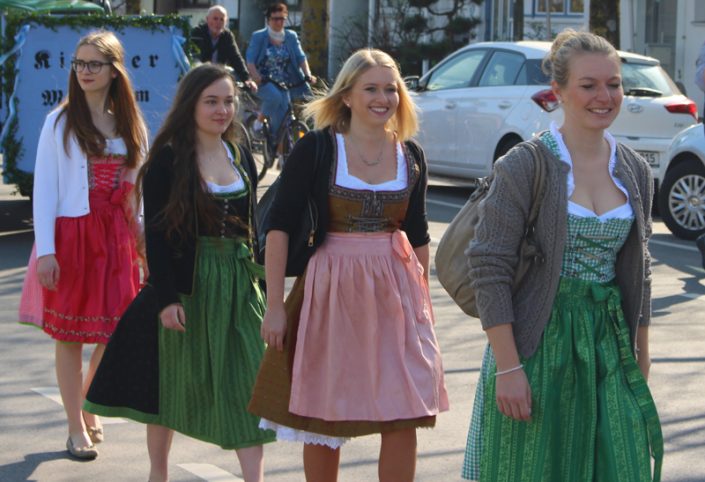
[492, 254]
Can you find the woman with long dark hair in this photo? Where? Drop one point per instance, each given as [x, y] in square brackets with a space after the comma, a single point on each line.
[187, 350]
[83, 271]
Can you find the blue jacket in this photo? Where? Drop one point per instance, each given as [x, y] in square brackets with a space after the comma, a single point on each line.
[257, 49]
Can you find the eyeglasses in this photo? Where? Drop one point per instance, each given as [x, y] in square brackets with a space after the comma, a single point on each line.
[277, 19]
[94, 66]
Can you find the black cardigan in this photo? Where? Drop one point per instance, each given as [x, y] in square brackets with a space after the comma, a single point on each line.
[304, 174]
[228, 52]
[171, 270]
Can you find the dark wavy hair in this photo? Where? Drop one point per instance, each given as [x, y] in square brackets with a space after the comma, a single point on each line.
[276, 7]
[188, 199]
[121, 101]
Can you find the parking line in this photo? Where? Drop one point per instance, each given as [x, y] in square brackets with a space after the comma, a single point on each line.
[52, 393]
[209, 472]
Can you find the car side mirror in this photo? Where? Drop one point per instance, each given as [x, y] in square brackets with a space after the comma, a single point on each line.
[412, 82]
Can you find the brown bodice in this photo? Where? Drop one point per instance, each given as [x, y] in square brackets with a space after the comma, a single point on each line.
[355, 211]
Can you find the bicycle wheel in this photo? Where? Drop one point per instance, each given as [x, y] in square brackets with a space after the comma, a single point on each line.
[241, 135]
[267, 154]
[295, 131]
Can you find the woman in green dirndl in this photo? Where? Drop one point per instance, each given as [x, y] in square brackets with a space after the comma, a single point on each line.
[562, 394]
[188, 348]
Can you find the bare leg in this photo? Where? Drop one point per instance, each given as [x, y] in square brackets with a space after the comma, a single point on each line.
[69, 375]
[321, 463]
[252, 463]
[397, 456]
[158, 445]
[91, 419]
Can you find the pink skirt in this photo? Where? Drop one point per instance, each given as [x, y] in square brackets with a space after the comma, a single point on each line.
[366, 348]
[99, 273]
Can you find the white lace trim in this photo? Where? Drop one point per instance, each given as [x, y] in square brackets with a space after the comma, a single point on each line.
[289, 434]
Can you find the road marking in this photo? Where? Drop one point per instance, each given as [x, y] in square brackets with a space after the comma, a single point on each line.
[52, 393]
[209, 472]
[444, 203]
[12, 233]
[668, 244]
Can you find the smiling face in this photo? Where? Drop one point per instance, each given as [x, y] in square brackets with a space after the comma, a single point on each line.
[593, 94]
[215, 108]
[374, 97]
[89, 82]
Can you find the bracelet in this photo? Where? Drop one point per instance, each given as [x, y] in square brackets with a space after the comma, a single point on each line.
[504, 372]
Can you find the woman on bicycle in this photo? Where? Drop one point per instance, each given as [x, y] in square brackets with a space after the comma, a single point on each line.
[275, 59]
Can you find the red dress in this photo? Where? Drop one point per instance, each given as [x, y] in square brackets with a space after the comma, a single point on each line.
[97, 257]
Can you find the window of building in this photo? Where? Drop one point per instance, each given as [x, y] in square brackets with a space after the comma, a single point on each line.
[557, 6]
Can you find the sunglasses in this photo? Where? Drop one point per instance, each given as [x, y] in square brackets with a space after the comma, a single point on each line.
[94, 66]
[277, 19]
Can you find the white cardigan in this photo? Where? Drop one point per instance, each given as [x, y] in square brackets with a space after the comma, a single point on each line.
[60, 182]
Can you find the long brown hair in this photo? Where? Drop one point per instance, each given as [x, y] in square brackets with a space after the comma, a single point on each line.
[121, 101]
[178, 217]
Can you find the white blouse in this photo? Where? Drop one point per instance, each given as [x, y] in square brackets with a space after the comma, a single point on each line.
[343, 178]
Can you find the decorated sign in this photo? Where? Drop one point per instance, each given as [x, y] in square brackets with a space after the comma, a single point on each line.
[42, 58]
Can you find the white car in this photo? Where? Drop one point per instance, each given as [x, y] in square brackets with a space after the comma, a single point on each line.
[486, 97]
[681, 198]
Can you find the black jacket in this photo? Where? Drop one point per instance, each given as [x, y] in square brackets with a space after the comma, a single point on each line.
[171, 269]
[303, 174]
[228, 52]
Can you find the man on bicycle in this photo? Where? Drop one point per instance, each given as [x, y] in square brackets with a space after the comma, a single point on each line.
[217, 44]
[278, 64]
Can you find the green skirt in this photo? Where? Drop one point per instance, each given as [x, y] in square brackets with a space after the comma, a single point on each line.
[593, 417]
[206, 375]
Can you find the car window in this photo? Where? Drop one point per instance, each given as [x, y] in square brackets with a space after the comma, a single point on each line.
[502, 69]
[646, 76]
[531, 73]
[456, 72]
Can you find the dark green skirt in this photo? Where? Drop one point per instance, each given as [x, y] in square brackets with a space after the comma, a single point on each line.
[206, 375]
[593, 418]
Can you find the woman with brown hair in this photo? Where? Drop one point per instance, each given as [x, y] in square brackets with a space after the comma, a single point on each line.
[187, 350]
[83, 271]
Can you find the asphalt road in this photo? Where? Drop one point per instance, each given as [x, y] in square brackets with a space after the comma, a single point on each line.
[33, 430]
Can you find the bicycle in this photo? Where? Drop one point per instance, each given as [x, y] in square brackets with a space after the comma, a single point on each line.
[264, 142]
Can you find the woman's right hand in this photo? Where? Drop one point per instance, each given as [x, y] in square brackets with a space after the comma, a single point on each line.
[274, 326]
[48, 271]
[173, 317]
[514, 395]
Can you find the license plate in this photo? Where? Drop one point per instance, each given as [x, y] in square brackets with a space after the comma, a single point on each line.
[650, 156]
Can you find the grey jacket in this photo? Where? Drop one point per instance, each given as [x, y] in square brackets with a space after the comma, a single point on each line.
[492, 255]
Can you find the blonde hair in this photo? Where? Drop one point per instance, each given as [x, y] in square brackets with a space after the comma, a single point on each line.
[567, 45]
[328, 109]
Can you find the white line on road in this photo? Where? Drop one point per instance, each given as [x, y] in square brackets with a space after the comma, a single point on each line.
[52, 393]
[444, 203]
[209, 472]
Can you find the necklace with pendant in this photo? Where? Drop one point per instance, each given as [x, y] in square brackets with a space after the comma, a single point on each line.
[365, 161]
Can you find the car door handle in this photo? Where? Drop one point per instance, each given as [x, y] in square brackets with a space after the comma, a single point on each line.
[450, 105]
[504, 105]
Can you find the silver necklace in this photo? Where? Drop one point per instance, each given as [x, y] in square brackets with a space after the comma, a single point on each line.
[363, 158]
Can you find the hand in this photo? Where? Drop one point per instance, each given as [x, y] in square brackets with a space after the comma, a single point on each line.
[274, 326]
[252, 85]
[311, 79]
[173, 317]
[644, 362]
[514, 395]
[48, 271]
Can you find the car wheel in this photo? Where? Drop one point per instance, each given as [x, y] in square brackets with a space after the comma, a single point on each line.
[505, 146]
[682, 199]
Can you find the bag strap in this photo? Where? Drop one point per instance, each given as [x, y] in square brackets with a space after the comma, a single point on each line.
[539, 184]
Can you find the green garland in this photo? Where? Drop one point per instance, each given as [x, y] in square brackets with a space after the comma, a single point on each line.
[11, 146]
